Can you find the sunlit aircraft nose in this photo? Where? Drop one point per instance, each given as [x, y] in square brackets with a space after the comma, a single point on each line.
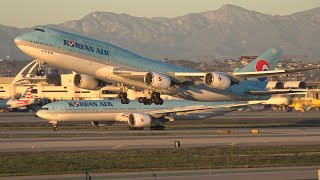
[17, 40]
[38, 113]
[41, 114]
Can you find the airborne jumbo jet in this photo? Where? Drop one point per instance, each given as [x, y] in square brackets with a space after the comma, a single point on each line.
[135, 114]
[98, 63]
[25, 100]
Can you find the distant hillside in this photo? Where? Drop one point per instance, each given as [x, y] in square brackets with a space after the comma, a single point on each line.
[230, 31]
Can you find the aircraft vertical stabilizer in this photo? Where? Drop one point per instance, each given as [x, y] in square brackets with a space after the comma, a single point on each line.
[266, 62]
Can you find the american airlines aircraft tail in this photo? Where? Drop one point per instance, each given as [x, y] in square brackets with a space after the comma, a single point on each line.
[25, 98]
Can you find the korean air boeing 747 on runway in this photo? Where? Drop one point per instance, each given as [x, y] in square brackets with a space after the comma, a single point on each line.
[135, 114]
[98, 63]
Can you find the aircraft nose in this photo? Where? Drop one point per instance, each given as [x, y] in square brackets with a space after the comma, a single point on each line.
[17, 40]
[41, 114]
[38, 113]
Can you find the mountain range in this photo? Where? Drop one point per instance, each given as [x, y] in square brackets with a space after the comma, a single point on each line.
[229, 31]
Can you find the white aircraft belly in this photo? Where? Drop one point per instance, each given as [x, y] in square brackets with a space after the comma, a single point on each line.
[199, 116]
[203, 95]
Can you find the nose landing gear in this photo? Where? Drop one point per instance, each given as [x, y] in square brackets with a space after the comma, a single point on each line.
[40, 71]
[54, 125]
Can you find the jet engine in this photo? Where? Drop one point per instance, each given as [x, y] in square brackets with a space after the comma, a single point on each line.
[157, 80]
[217, 80]
[295, 85]
[275, 85]
[138, 120]
[86, 82]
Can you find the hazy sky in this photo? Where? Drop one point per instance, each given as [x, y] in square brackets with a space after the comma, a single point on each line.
[27, 13]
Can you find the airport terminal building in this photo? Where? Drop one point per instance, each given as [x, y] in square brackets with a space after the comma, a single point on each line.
[52, 86]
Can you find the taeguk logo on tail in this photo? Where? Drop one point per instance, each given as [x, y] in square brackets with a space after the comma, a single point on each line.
[262, 65]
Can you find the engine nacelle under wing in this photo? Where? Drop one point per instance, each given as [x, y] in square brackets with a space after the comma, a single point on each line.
[86, 82]
[217, 80]
[275, 85]
[295, 85]
[157, 80]
[139, 120]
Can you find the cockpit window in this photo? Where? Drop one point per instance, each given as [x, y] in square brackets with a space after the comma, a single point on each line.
[43, 108]
[39, 30]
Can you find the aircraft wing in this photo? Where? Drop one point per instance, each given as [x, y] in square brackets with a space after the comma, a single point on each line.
[194, 109]
[176, 77]
[260, 74]
[181, 77]
[278, 91]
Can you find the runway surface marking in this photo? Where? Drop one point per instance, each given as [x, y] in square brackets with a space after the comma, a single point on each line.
[274, 173]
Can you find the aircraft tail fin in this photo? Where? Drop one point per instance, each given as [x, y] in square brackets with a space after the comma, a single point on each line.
[265, 62]
[26, 97]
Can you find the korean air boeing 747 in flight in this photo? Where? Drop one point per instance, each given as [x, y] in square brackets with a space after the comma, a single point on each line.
[135, 114]
[25, 100]
[98, 63]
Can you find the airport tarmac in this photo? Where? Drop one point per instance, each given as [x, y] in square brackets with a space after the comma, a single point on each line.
[268, 136]
[304, 129]
[236, 115]
[277, 173]
[44, 139]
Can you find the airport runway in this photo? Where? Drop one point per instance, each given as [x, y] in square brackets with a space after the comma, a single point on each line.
[304, 129]
[282, 116]
[268, 136]
[43, 139]
[277, 173]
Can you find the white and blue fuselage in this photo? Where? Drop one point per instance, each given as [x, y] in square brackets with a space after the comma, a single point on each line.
[99, 60]
[113, 110]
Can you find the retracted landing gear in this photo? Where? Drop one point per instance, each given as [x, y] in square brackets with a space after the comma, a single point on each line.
[124, 98]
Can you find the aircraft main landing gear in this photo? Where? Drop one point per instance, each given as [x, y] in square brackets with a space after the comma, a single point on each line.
[136, 128]
[124, 98]
[155, 98]
[157, 128]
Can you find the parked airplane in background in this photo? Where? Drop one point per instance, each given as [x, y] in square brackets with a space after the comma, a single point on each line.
[135, 114]
[25, 100]
[98, 63]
